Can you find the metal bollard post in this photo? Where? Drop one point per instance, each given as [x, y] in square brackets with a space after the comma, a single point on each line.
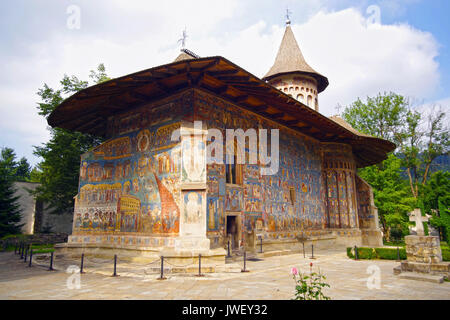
[115, 266]
[200, 266]
[82, 263]
[245, 262]
[21, 250]
[229, 253]
[398, 254]
[312, 251]
[31, 256]
[260, 250]
[162, 269]
[25, 255]
[51, 263]
[15, 248]
[356, 253]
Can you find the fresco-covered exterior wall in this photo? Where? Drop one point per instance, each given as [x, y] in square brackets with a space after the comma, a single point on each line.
[340, 170]
[274, 206]
[130, 185]
[140, 188]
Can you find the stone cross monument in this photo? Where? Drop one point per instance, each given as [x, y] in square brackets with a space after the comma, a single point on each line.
[416, 216]
[424, 255]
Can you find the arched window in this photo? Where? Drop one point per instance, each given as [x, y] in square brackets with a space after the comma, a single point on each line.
[309, 100]
[300, 98]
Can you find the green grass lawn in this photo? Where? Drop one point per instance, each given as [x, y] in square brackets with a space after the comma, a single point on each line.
[37, 248]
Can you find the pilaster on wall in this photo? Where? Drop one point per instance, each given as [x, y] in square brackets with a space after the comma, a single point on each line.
[192, 235]
[368, 214]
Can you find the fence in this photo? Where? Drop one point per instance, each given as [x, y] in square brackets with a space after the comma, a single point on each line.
[24, 251]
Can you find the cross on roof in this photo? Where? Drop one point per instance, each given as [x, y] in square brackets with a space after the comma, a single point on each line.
[416, 216]
[288, 20]
[183, 39]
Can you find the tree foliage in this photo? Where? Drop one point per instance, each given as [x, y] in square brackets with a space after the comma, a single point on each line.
[420, 137]
[16, 170]
[436, 201]
[391, 194]
[58, 172]
[10, 213]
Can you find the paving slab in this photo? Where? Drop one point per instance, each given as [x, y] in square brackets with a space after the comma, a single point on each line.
[268, 278]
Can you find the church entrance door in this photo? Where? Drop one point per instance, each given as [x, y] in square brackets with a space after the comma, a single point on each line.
[233, 231]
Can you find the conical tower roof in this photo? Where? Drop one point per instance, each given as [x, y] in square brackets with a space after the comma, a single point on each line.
[290, 60]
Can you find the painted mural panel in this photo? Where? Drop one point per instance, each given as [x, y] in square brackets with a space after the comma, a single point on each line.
[333, 199]
[352, 200]
[131, 183]
[266, 200]
[194, 159]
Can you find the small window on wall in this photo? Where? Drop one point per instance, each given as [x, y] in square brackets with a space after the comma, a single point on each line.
[292, 195]
[234, 171]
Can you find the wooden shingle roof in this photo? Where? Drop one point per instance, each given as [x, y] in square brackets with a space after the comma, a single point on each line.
[87, 111]
[290, 60]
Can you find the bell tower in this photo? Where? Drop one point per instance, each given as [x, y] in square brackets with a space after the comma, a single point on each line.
[292, 75]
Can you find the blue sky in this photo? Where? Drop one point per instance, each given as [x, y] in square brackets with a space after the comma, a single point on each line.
[406, 51]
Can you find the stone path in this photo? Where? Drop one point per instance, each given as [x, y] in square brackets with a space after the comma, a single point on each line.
[268, 279]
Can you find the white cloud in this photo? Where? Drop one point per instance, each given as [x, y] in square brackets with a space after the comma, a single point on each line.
[359, 60]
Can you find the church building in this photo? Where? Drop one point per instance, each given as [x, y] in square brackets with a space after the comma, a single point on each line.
[150, 187]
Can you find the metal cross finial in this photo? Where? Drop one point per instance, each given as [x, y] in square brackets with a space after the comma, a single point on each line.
[288, 13]
[183, 39]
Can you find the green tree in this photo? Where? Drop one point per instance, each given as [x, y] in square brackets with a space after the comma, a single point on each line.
[420, 138]
[10, 213]
[423, 140]
[381, 116]
[23, 170]
[16, 170]
[58, 172]
[391, 194]
[436, 201]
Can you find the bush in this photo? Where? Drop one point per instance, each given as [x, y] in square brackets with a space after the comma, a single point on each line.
[390, 253]
[396, 234]
[377, 253]
[445, 254]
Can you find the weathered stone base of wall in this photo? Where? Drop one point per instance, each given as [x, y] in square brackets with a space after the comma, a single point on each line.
[133, 248]
[105, 251]
[123, 240]
[140, 255]
[321, 239]
[423, 249]
[372, 237]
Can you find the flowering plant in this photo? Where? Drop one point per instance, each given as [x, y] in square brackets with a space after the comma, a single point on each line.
[309, 287]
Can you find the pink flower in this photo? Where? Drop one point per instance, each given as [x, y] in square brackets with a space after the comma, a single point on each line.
[294, 271]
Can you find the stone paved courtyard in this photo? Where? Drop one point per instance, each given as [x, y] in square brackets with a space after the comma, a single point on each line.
[268, 279]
